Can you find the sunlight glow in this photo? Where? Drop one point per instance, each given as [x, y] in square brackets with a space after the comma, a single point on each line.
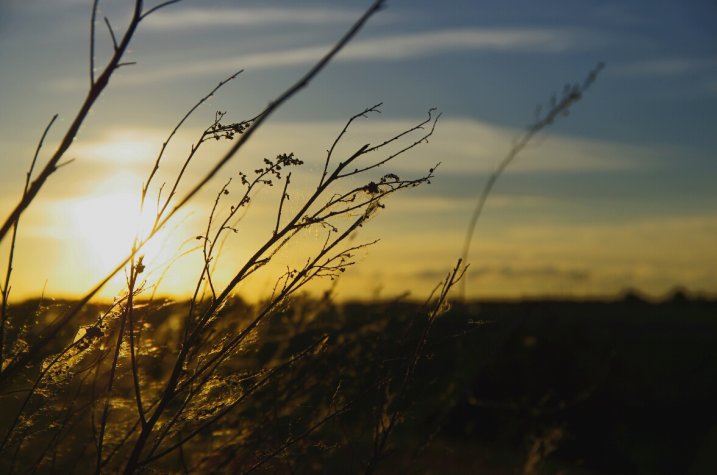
[122, 146]
[106, 226]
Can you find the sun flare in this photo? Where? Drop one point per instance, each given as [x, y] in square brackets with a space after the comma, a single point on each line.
[107, 225]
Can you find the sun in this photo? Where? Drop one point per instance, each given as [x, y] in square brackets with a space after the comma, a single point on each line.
[106, 225]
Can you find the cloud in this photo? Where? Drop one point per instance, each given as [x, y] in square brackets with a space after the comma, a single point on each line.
[189, 18]
[478, 146]
[517, 272]
[474, 39]
[437, 203]
[469, 150]
[651, 254]
[541, 272]
[388, 48]
[469, 146]
[121, 146]
[663, 67]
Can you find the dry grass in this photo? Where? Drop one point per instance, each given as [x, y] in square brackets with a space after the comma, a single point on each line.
[214, 384]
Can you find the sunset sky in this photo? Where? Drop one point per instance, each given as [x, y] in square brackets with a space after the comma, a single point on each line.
[620, 194]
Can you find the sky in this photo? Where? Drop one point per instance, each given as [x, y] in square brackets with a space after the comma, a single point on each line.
[618, 195]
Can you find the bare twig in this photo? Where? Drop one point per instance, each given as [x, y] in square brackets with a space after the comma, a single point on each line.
[112, 33]
[111, 379]
[92, 42]
[201, 101]
[303, 82]
[571, 95]
[329, 153]
[98, 85]
[383, 430]
[210, 345]
[135, 269]
[101, 81]
[279, 101]
[5, 289]
[35, 385]
[284, 196]
[157, 7]
[268, 375]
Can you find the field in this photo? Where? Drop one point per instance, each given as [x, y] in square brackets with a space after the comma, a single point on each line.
[598, 387]
[174, 294]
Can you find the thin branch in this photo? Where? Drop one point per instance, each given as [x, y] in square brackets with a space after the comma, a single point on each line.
[154, 9]
[110, 384]
[99, 84]
[301, 221]
[297, 280]
[92, 42]
[291, 441]
[419, 126]
[366, 150]
[284, 196]
[170, 387]
[37, 382]
[278, 102]
[385, 429]
[330, 152]
[208, 247]
[47, 337]
[179, 124]
[5, 289]
[112, 33]
[135, 270]
[64, 164]
[572, 94]
[230, 407]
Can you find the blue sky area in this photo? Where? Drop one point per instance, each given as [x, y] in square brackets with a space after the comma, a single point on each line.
[620, 194]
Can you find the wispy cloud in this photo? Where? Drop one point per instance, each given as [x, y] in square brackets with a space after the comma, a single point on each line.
[476, 147]
[558, 258]
[663, 67]
[574, 274]
[437, 203]
[388, 48]
[469, 149]
[466, 145]
[120, 146]
[436, 42]
[246, 17]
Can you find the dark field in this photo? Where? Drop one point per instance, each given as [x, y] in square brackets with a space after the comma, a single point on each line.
[497, 387]
[622, 387]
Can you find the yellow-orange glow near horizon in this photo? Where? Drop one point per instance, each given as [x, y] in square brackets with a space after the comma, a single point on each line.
[125, 146]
